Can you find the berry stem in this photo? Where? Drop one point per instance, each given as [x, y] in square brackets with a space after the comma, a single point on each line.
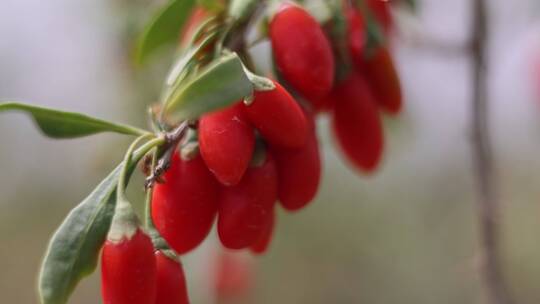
[149, 191]
[171, 140]
[121, 188]
[125, 222]
[488, 203]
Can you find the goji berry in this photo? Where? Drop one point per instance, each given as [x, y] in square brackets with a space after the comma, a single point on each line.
[226, 142]
[356, 34]
[375, 62]
[299, 172]
[233, 277]
[382, 12]
[263, 241]
[184, 207]
[383, 78]
[128, 270]
[245, 209]
[302, 51]
[357, 124]
[278, 117]
[171, 282]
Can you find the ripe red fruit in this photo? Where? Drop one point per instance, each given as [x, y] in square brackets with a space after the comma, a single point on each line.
[262, 243]
[233, 277]
[357, 124]
[184, 207]
[356, 34]
[384, 80]
[278, 117]
[299, 172]
[171, 282]
[375, 62]
[226, 142]
[302, 51]
[128, 270]
[382, 12]
[245, 209]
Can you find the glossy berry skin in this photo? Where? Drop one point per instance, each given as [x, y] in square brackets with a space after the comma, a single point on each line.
[184, 207]
[357, 124]
[299, 173]
[226, 141]
[278, 117]
[128, 271]
[171, 282]
[263, 241]
[245, 209]
[302, 52]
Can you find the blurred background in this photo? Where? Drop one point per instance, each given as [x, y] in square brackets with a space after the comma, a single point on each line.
[407, 234]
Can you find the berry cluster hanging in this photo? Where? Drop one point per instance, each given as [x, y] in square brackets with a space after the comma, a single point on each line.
[227, 142]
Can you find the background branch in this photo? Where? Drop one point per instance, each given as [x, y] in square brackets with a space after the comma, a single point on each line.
[488, 202]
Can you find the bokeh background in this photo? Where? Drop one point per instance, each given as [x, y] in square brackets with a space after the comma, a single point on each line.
[407, 234]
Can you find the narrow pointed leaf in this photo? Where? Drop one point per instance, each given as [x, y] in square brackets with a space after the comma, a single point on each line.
[61, 124]
[241, 9]
[211, 5]
[186, 58]
[74, 248]
[221, 84]
[164, 28]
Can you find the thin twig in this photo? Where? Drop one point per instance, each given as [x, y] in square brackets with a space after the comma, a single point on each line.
[163, 164]
[488, 202]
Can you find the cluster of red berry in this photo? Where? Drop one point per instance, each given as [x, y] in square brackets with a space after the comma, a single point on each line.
[132, 272]
[260, 151]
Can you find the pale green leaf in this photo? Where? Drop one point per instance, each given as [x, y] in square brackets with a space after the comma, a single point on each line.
[61, 124]
[74, 248]
[164, 28]
[219, 85]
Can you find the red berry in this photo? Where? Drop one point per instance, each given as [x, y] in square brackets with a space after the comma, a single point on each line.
[226, 142]
[302, 51]
[245, 209]
[184, 207]
[356, 34]
[278, 117]
[171, 282]
[299, 172]
[382, 12]
[263, 241]
[128, 270]
[383, 79]
[357, 124]
[234, 276]
[375, 63]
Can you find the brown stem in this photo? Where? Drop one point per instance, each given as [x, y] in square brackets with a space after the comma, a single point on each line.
[488, 202]
[163, 164]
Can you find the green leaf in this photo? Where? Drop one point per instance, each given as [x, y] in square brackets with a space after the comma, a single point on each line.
[164, 28]
[60, 124]
[241, 9]
[188, 57]
[74, 248]
[212, 5]
[219, 85]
